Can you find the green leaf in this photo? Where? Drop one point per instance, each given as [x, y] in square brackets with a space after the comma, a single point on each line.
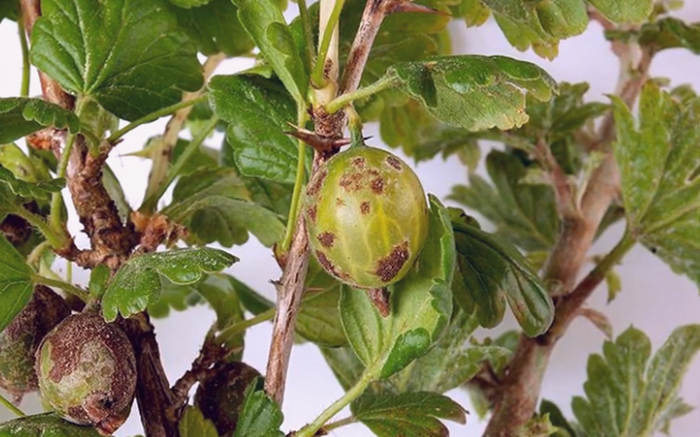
[265, 23]
[626, 393]
[260, 416]
[137, 283]
[20, 116]
[474, 12]
[318, 319]
[9, 9]
[451, 363]
[193, 424]
[215, 28]
[522, 213]
[671, 33]
[624, 11]
[556, 417]
[29, 190]
[15, 283]
[492, 272]
[258, 111]
[475, 92]
[174, 297]
[128, 55]
[45, 425]
[421, 305]
[345, 365]
[99, 277]
[214, 205]
[220, 293]
[659, 163]
[408, 414]
[538, 426]
[539, 24]
[189, 3]
[614, 284]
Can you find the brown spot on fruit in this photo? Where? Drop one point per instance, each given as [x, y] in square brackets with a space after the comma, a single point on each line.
[358, 162]
[378, 185]
[326, 239]
[351, 181]
[389, 266]
[394, 162]
[312, 212]
[339, 201]
[364, 208]
[316, 183]
[325, 262]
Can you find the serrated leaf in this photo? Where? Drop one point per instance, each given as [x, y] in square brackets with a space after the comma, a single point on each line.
[45, 425]
[258, 111]
[21, 116]
[524, 214]
[194, 424]
[659, 163]
[493, 272]
[452, 361]
[421, 304]
[215, 28]
[137, 283]
[474, 12]
[624, 11]
[15, 283]
[670, 33]
[407, 414]
[265, 24]
[626, 393]
[540, 25]
[214, 205]
[30, 190]
[475, 92]
[128, 55]
[260, 416]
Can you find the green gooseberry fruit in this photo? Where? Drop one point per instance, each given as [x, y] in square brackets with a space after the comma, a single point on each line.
[87, 372]
[221, 394]
[366, 217]
[21, 338]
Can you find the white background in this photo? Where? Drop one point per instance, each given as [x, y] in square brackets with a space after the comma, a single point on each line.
[653, 298]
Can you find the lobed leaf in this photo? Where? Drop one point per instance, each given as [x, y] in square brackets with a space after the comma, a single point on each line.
[45, 425]
[629, 395]
[128, 55]
[670, 33]
[523, 213]
[407, 414]
[260, 416]
[493, 272]
[138, 282]
[214, 27]
[30, 190]
[474, 92]
[16, 284]
[421, 304]
[624, 11]
[21, 116]
[194, 424]
[214, 204]
[265, 24]
[659, 163]
[258, 112]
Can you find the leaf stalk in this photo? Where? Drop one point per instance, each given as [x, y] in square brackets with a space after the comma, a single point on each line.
[10, 406]
[340, 102]
[26, 68]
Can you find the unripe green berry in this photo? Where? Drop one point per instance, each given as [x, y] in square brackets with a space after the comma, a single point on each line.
[366, 216]
[87, 372]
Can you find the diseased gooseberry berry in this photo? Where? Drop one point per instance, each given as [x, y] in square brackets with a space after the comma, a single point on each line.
[366, 216]
[87, 372]
[221, 394]
[21, 338]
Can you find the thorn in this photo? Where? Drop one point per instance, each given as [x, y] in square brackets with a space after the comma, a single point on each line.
[321, 144]
[395, 6]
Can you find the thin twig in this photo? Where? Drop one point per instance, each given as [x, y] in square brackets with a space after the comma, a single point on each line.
[564, 195]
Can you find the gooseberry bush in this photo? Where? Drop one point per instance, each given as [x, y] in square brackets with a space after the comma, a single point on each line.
[389, 283]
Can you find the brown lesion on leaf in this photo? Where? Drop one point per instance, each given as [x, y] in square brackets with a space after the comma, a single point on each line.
[390, 266]
[394, 162]
[365, 208]
[326, 239]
